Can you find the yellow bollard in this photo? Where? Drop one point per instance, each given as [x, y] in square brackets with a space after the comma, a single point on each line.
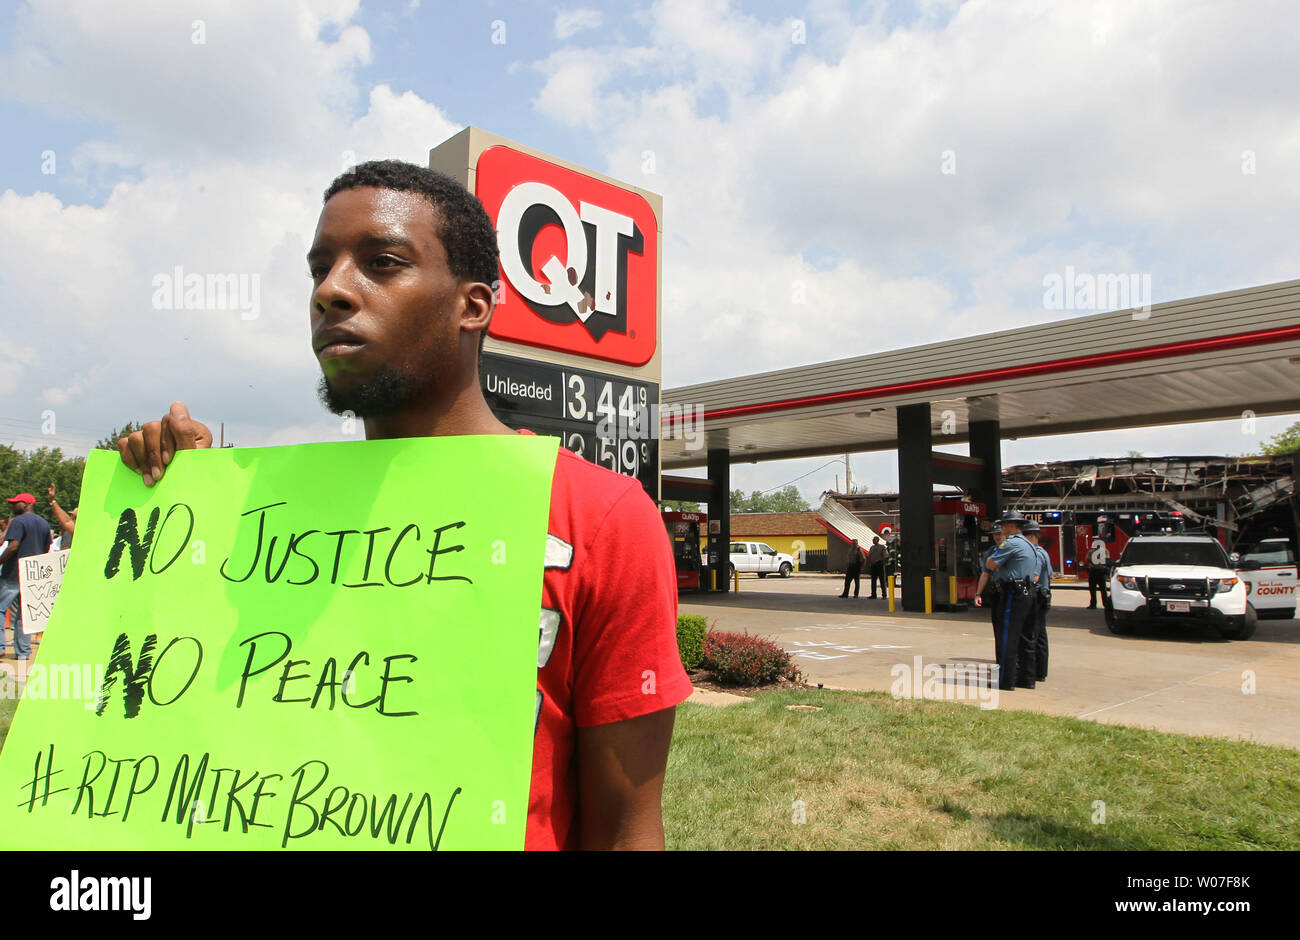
[737, 580]
[952, 591]
[889, 586]
[929, 594]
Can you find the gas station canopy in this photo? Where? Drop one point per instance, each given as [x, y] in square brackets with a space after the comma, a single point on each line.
[1212, 357]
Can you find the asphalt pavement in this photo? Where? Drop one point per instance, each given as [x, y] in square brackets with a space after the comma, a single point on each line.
[1182, 678]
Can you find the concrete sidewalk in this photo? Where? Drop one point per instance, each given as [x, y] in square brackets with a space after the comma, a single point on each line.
[1186, 680]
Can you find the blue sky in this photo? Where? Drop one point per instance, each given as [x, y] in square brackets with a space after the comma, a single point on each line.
[792, 142]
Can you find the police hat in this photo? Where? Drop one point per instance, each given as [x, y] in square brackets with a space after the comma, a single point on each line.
[1013, 517]
[1030, 528]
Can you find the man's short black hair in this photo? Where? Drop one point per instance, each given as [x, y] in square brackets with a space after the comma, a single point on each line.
[464, 228]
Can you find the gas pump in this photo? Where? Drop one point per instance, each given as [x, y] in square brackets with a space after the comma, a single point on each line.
[956, 542]
[685, 529]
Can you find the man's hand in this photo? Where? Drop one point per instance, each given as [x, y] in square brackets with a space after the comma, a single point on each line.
[149, 450]
[979, 601]
[50, 495]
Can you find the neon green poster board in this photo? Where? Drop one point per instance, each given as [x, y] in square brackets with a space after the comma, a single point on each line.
[325, 646]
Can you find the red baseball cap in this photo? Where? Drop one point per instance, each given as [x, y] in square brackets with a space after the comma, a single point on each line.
[27, 498]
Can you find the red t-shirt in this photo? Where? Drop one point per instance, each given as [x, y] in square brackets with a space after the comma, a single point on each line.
[608, 633]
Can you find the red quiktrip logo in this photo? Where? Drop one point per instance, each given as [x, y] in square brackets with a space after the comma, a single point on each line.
[579, 264]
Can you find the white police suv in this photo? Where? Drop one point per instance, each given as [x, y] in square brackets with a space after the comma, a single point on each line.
[1178, 578]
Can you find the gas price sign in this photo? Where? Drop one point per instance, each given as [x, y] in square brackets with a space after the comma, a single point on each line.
[602, 418]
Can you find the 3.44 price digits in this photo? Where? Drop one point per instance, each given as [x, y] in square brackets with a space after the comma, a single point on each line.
[630, 411]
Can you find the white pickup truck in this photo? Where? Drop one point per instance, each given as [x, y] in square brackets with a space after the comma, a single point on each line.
[759, 558]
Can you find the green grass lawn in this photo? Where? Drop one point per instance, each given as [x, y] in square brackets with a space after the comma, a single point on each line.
[7, 706]
[875, 773]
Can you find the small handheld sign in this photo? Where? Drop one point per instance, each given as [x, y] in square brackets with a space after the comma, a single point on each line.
[39, 580]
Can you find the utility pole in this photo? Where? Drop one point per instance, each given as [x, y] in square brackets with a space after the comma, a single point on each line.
[848, 476]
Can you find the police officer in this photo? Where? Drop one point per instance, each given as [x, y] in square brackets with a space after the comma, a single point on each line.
[853, 569]
[986, 594]
[1044, 598]
[1015, 565]
[1098, 573]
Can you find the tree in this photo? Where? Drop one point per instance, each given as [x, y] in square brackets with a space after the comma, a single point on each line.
[1288, 442]
[788, 499]
[34, 471]
[680, 505]
[110, 442]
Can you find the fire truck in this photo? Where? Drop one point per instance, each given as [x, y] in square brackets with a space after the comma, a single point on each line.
[1067, 534]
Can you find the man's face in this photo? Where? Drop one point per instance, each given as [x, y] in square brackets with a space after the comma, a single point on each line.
[1009, 529]
[384, 307]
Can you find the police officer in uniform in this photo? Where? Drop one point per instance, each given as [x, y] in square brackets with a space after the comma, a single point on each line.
[986, 594]
[1044, 598]
[1015, 566]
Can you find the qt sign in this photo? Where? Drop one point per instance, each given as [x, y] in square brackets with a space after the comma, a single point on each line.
[579, 259]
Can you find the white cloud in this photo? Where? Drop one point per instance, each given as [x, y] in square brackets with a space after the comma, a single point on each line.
[261, 75]
[571, 22]
[231, 162]
[1108, 136]
[1122, 156]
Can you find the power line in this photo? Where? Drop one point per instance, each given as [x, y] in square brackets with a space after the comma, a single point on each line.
[808, 474]
[23, 442]
[24, 425]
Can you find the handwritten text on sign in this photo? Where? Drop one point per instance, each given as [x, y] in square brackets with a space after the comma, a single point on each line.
[39, 580]
[320, 646]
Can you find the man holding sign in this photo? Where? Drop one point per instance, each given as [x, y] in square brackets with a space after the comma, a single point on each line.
[402, 266]
[28, 534]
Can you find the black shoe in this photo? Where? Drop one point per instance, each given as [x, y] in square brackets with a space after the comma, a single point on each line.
[1092, 607]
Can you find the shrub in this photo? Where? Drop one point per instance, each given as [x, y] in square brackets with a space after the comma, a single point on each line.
[690, 639]
[741, 659]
